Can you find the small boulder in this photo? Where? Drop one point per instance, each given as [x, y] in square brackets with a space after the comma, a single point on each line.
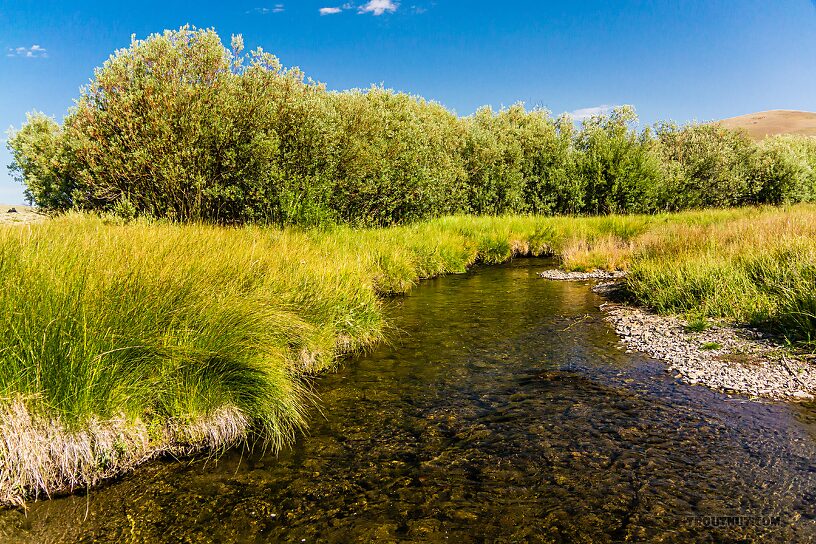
[12, 210]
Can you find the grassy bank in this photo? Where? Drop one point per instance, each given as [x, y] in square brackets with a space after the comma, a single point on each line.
[756, 268]
[123, 341]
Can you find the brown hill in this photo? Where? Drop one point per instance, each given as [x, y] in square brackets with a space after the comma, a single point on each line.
[766, 123]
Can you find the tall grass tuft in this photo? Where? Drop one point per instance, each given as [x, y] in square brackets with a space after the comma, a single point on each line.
[122, 340]
[756, 265]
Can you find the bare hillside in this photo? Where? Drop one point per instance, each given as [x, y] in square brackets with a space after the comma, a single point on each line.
[766, 123]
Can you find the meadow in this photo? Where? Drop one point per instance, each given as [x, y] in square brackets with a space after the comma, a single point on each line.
[126, 340]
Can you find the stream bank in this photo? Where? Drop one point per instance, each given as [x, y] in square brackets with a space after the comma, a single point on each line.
[721, 356]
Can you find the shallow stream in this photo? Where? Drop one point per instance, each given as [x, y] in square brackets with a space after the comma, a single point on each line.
[503, 410]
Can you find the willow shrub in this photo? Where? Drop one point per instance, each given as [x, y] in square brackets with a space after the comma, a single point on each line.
[184, 128]
[519, 161]
[179, 126]
[37, 156]
[784, 170]
[396, 158]
[618, 170]
[705, 166]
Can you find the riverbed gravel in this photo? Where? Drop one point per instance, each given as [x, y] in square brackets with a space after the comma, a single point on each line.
[556, 274]
[724, 357]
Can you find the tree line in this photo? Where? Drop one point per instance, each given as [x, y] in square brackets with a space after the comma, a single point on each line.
[179, 126]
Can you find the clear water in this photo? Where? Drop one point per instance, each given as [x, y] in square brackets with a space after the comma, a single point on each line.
[502, 411]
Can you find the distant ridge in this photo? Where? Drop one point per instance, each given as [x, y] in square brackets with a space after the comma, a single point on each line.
[767, 123]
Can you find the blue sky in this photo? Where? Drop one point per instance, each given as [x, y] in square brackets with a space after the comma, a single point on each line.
[680, 60]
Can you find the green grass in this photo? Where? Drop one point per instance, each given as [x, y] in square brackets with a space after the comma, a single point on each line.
[172, 337]
[758, 268]
[697, 324]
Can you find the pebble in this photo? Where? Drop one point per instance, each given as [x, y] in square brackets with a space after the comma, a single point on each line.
[556, 274]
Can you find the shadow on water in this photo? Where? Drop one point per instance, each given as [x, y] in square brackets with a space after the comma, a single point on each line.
[503, 412]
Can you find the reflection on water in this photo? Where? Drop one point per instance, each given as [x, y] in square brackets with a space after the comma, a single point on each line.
[503, 411]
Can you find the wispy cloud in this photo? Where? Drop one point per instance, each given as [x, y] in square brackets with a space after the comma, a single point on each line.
[585, 113]
[277, 8]
[33, 52]
[336, 9]
[378, 7]
[375, 7]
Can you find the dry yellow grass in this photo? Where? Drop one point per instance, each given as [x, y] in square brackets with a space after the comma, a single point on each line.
[39, 456]
[609, 252]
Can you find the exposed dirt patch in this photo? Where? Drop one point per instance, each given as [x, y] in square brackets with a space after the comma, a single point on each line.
[19, 215]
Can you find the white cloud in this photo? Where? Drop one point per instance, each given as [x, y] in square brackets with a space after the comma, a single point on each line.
[375, 7]
[277, 8]
[378, 7]
[585, 113]
[33, 52]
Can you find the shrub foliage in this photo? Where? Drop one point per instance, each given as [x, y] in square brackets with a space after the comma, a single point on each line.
[179, 126]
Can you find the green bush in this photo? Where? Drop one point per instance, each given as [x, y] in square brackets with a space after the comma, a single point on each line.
[38, 161]
[551, 184]
[184, 128]
[179, 126]
[616, 165]
[494, 160]
[396, 158]
[704, 166]
[519, 161]
[784, 170]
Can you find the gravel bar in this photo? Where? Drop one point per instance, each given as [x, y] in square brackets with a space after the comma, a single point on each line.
[726, 358]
